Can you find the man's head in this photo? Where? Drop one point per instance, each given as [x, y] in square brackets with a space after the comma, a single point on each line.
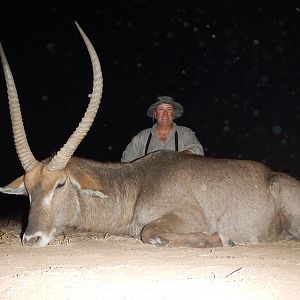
[164, 114]
[162, 101]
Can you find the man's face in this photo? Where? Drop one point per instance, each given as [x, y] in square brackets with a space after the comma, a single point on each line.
[164, 114]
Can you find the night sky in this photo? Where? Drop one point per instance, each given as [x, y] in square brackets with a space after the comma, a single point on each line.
[234, 65]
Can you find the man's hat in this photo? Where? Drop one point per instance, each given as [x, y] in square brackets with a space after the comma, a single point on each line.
[178, 108]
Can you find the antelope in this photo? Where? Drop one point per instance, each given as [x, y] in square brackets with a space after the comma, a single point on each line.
[164, 198]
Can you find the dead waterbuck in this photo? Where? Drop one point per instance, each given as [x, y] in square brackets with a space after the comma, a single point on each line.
[165, 198]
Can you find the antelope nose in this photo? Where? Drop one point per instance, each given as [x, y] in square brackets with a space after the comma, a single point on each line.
[37, 239]
[31, 240]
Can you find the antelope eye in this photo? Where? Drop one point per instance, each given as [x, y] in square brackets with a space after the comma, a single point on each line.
[60, 185]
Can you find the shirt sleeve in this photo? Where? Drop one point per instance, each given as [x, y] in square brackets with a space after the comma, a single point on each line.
[191, 143]
[134, 149]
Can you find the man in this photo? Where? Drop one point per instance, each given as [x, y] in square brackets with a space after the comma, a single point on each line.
[164, 134]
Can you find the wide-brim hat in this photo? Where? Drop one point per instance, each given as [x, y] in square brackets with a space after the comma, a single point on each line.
[178, 108]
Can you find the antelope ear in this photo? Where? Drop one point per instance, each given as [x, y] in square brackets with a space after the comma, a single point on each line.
[87, 185]
[16, 187]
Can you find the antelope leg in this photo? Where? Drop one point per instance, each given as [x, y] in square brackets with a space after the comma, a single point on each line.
[172, 231]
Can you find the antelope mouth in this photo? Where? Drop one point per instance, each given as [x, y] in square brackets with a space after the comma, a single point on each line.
[38, 239]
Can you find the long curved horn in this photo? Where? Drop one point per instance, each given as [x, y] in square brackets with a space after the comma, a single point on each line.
[23, 150]
[62, 157]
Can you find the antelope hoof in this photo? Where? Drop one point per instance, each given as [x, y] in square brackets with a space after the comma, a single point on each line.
[158, 241]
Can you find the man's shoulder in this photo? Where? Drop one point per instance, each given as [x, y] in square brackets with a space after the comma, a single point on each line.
[183, 129]
[144, 132]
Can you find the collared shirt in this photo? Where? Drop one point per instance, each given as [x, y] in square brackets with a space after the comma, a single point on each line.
[187, 140]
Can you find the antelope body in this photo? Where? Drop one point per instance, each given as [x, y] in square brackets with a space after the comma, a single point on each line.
[165, 198]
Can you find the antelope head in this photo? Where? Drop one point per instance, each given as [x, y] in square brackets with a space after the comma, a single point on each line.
[48, 181]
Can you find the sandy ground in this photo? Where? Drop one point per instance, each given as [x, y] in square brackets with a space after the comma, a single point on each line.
[87, 266]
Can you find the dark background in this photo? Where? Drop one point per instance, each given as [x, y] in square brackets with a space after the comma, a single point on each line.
[234, 65]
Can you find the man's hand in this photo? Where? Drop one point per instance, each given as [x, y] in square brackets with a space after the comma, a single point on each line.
[187, 152]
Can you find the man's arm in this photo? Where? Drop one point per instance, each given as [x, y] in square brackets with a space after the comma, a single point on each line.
[191, 143]
[135, 148]
[130, 152]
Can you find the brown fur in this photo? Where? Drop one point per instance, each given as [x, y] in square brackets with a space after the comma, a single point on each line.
[165, 198]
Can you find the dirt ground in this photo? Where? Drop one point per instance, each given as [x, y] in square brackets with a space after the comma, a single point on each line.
[87, 266]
